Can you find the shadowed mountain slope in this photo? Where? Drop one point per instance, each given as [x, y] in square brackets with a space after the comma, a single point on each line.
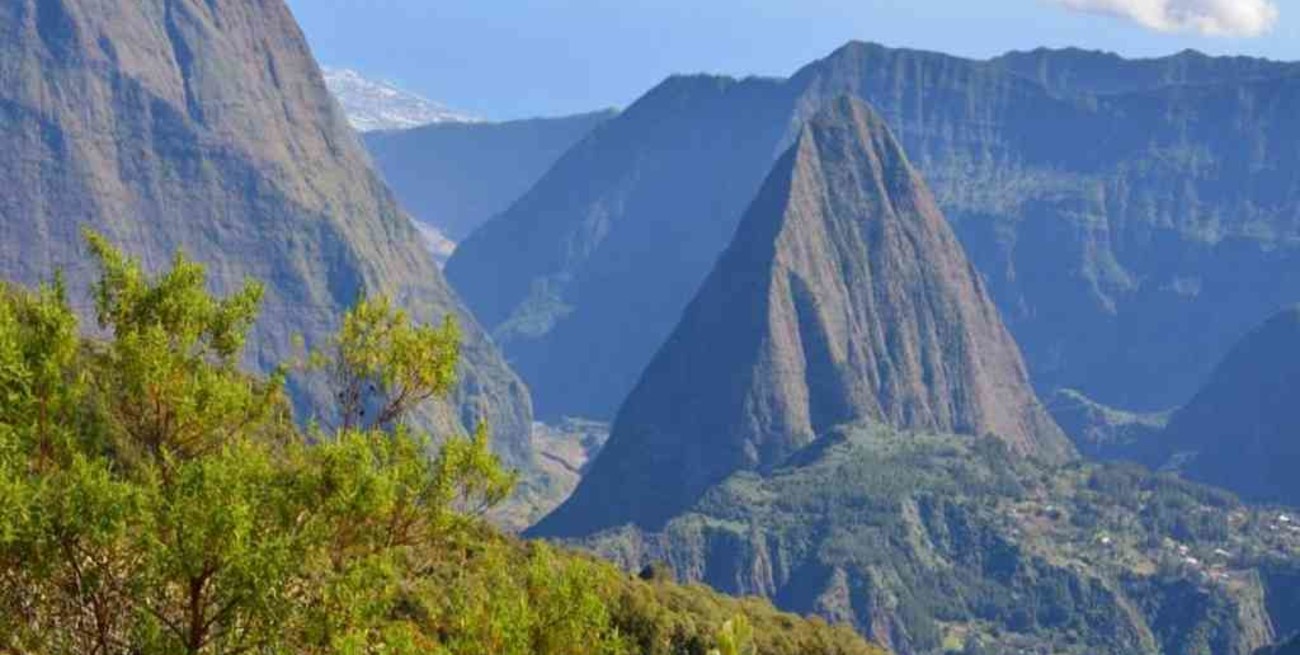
[1242, 431]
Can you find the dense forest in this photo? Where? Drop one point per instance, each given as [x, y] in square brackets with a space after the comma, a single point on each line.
[154, 498]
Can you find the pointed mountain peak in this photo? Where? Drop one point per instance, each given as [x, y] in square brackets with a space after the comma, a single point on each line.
[858, 125]
[844, 297]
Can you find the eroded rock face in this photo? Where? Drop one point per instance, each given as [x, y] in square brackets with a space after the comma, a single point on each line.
[207, 126]
[843, 297]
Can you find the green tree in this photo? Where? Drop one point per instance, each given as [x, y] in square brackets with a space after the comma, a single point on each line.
[154, 499]
[735, 637]
[383, 365]
[158, 500]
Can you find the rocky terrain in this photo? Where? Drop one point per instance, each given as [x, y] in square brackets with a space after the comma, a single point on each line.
[564, 452]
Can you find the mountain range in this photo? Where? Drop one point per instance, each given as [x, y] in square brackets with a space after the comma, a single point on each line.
[1238, 432]
[184, 124]
[1131, 218]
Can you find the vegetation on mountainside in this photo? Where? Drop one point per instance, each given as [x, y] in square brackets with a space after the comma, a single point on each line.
[1105, 433]
[933, 544]
[156, 499]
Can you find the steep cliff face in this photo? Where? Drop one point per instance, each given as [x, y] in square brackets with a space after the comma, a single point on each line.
[1072, 71]
[207, 126]
[844, 296]
[1131, 218]
[1242, 431]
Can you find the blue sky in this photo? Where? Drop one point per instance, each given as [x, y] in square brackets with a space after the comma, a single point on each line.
[515, 58]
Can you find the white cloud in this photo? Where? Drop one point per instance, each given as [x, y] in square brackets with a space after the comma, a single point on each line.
[1210, 17]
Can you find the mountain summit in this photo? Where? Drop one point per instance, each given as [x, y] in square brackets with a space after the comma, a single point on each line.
[207, 126]
[844, 297]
